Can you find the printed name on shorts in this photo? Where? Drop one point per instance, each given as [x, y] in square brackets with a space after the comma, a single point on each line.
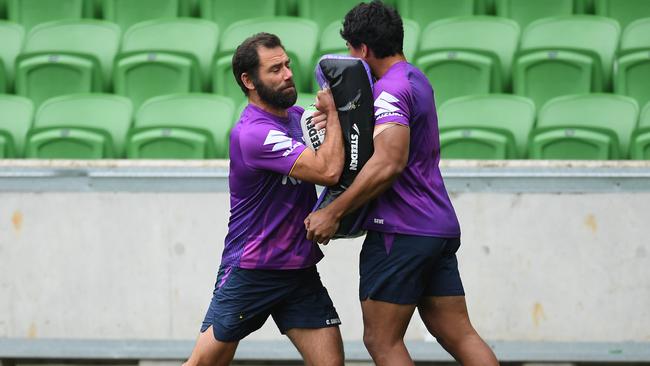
[333, 321]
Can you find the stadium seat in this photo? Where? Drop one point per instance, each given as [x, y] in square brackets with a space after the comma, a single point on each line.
[32, 12]
[16, 115]
[324, 12]
[624, 11]
[411, 38]
[287, 7]
[65, 57]
[486, 7]
[469, 55]
[182, 126]
[165, 56]
[128, 12]
[224, 13]
[427, 11]
[587, 126]
[584, 6]
[92, 9]
[640, 149]
[632, 77]
[331, 41]
[189, 8]
[565, 55]
[299, 37]
[525, 11]
[491, 126]
[12, 36]
[3, 9]
[80, 126]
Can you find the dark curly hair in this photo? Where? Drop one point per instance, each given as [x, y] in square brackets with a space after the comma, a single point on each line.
[377, 25]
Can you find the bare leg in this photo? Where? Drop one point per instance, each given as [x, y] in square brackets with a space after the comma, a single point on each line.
[210, 352]
[318, 347]
[446, 319]
[384, 325]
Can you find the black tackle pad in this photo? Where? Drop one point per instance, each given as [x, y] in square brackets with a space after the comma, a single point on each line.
[351, 84]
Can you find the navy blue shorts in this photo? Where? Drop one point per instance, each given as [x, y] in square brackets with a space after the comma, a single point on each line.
[401, 269]
[243, 299]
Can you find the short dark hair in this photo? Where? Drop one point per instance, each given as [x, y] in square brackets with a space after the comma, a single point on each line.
[247, 60]
[377, 25]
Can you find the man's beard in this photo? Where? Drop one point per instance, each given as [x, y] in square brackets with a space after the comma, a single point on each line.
[281, 99]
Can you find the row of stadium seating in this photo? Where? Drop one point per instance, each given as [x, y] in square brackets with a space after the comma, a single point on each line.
[461, 56]
[197, 126]
[128, 12]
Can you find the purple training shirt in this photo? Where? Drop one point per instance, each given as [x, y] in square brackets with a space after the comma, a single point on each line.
[417, 203]
[267, 207]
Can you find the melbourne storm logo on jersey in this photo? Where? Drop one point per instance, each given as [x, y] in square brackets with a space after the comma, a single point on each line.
[280, 141]
[385, 107]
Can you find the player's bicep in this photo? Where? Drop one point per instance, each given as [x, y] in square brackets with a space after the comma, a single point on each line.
[392, 145]
[311, 169]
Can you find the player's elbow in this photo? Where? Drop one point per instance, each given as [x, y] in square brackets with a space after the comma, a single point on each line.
[393, 170]
[332, 175]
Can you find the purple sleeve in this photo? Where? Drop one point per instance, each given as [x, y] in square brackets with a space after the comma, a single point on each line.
[391, 103]
[265, 147]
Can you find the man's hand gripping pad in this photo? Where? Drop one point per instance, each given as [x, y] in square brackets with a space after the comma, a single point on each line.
[351, 84]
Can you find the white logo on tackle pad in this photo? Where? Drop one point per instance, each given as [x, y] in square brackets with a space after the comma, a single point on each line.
[354, 147]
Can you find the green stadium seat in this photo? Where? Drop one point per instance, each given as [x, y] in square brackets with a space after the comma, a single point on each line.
[165, 56]
[427, 11]
[32, 12]
[92, 9]
[189, 8]
[224, 13]
[469, 55]
[525, 11]
[325, 12]
[12, 35]
[565, 55]
[80, 126]
[624, 11]
[584, 6]
[487, 7]
[411, 38]
[182, 126]
[584, 127]
[299, 37]
[65, 57]
[331, 41]
[16, 115]
[129, 12]
[490, 126]
[632, 76]
[287, 7]
[3, 9]
[640, 149]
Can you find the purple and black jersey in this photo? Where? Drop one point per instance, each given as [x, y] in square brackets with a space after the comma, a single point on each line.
[267, 207]
[417, 203]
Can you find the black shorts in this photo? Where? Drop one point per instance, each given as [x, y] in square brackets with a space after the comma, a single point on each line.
[243, 299]
[401, 269]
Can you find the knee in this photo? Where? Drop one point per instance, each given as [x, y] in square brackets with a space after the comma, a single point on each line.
[377, 343]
